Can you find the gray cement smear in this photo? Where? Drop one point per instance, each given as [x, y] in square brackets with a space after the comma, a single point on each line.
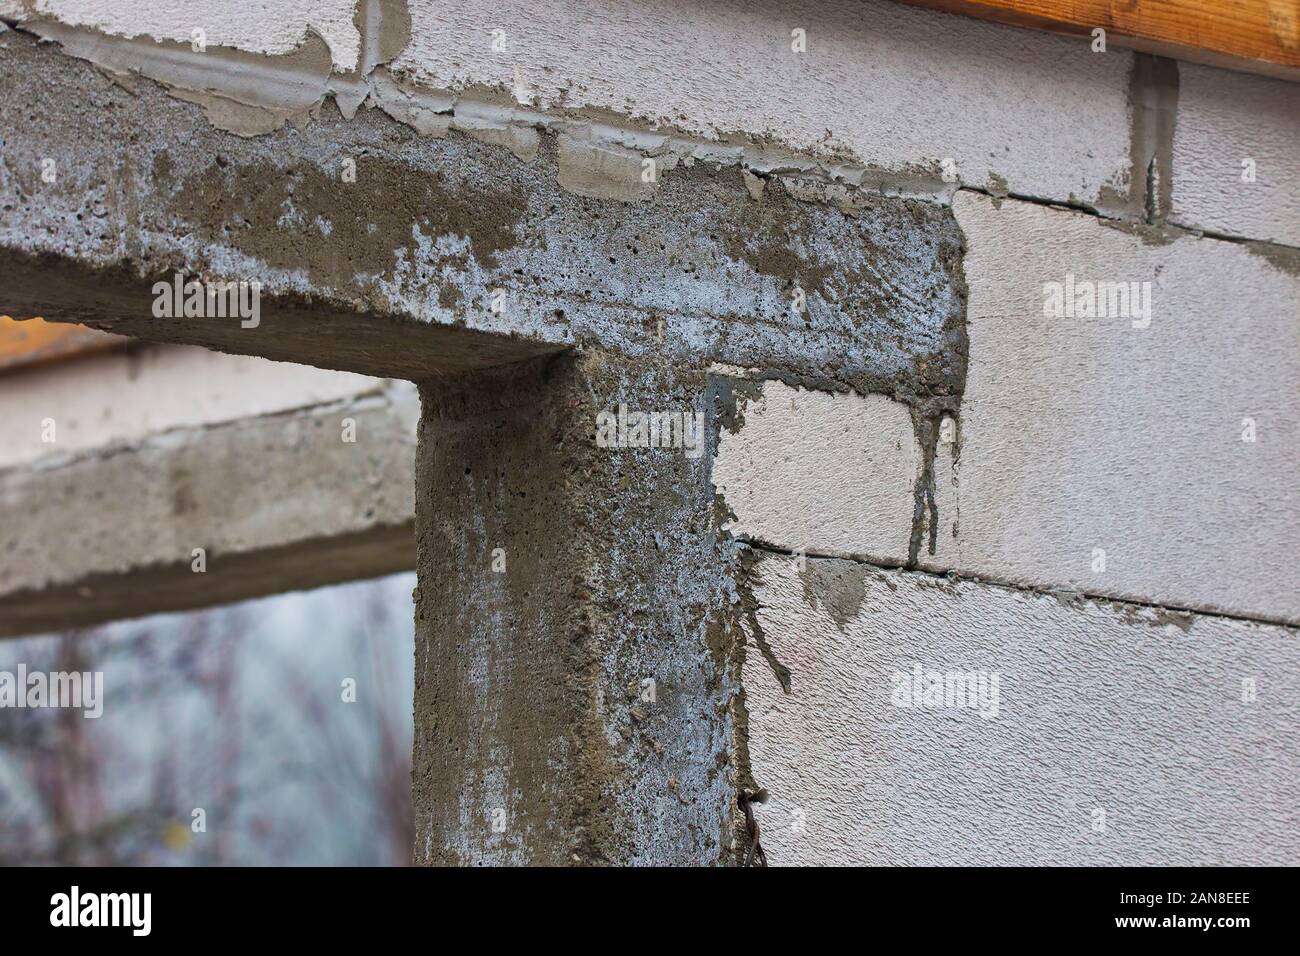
[252, 93]
[1153, 107]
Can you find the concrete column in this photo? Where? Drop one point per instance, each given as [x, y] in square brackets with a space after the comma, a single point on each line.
[574, 641]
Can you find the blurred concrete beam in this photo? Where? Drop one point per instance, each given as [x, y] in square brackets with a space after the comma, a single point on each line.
[197, 516]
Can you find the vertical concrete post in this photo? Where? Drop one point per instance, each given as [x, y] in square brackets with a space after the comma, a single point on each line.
[574, 637]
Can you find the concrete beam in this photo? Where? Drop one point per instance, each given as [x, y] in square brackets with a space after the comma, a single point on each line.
[277, 503]
[125, 397]
[531, 712]
[449, 253]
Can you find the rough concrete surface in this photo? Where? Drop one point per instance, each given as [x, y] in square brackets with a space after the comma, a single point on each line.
[813, 471]
[123, 397]
[1225, 118]
[1101, 707]
[397, 273]
[534, 738]
[277, 502]
[1079, 434]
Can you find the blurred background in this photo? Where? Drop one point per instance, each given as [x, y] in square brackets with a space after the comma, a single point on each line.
[241, 712]
[272, 731]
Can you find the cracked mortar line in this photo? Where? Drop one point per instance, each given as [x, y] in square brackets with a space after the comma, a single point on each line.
[253, 94]
[1067, 596]
[1281, 255]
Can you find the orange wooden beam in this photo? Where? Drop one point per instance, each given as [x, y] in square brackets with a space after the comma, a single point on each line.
[34, 340]
[1257, 36]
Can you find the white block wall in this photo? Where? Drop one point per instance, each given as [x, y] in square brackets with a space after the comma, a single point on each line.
[896, 88]
[1122, 736]
[1226, 119]
[1079, 434]
[822, 473]
[892, 86]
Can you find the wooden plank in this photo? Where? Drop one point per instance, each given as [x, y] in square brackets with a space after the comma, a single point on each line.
[33, 341]
[1257, 36]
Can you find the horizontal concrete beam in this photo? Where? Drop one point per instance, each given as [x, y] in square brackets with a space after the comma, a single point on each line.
[443, 252]
[277, 503]
[302, 565]
[292, 327]
[124, 397]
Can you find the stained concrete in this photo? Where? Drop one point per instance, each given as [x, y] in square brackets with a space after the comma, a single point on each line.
[277, 502]
[395, 273]
[530, 706]
[1101, 707]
